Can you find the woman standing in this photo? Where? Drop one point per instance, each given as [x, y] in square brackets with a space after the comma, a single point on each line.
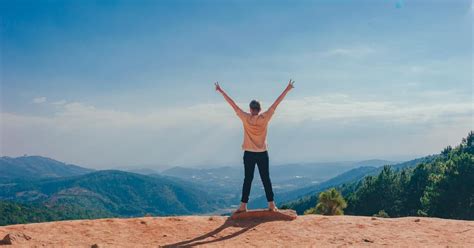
[255, 145]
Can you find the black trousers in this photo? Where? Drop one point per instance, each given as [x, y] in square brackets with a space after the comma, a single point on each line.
[261, 159]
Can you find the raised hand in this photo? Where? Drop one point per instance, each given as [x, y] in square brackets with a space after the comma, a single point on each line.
[290, 85]
[283, 94]
[218, 87]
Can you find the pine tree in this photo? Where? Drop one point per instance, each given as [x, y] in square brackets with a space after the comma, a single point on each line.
[331, 202]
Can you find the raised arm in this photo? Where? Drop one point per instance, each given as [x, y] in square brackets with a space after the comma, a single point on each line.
[228, 99]
[283, 94]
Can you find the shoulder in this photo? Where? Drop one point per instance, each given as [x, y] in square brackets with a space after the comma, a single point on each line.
[269, 112]
[242, 114]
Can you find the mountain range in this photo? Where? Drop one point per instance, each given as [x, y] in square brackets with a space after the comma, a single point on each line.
[35, 167]
[38, 182]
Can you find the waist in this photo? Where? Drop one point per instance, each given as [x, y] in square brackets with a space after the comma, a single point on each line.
[255, 152]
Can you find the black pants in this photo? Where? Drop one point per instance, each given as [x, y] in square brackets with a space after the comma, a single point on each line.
[261, 159]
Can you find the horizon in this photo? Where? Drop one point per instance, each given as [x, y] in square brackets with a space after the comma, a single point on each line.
[346, 163]
[125, 83]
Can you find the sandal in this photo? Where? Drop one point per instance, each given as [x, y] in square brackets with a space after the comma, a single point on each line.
[240, 211]
[275, 209]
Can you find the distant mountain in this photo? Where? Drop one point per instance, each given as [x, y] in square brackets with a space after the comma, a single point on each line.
[225, 183]
[143, 171]
[374, 163]
[113, 192]
[314, 171]
[348, 176]
[35, 167]
[413, 163]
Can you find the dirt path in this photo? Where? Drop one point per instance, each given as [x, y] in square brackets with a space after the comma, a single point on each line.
[305, 231]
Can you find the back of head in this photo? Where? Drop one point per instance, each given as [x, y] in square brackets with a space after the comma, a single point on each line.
[255, 106]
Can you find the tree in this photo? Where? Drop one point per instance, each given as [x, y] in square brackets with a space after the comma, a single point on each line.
[330, 202]
[451, 194]
[379, 192]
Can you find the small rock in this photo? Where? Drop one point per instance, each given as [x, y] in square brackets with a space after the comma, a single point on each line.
[368, 240]
[417, 220]
[12, 238]
[143, 222]
[95, 246]
[373, 218]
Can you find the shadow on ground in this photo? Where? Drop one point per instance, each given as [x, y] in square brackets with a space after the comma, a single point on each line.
[201, 240]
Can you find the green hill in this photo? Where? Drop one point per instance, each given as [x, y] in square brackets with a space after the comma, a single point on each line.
[305, 198]
[439, 186]
[21, 213]
[34, 167]
[112, 192]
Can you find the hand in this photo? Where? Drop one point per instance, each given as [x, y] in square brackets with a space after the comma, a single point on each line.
[290, 85]
[218, 88]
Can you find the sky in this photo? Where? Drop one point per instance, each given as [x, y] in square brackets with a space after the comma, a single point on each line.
[108, 84]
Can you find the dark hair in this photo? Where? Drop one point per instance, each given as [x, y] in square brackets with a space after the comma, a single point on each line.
[254, 104]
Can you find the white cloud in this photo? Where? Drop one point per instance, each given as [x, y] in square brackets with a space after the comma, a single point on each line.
[315, 108]
[344, 107]
[85, 134]
[350, 52]
[39, 100]
[61, 102]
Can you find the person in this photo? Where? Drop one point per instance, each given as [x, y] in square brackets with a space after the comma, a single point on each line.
[255, 145]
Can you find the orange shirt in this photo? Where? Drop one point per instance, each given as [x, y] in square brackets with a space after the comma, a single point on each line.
[255, 130]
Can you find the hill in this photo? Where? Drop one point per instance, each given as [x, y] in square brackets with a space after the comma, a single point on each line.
[440, 185]
[34, 167]
[21, 213]
[348, 176]
[225, 183]
[300, 199]
[220, 231]
[115, 193]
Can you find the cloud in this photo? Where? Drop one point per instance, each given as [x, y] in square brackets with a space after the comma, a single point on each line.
[61, 102]
[39, 100]
[85, 134]
[349, 52]
[313, 108]
[344, 107]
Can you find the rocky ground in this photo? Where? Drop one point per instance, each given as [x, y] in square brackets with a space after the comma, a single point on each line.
[304, 231]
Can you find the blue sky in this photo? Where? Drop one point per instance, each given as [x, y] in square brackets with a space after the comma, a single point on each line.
[122, 83]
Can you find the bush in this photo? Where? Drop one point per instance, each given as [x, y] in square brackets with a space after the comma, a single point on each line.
[330, 202]
[382, 214]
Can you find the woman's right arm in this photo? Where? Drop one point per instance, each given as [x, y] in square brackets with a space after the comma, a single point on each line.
[283, 94]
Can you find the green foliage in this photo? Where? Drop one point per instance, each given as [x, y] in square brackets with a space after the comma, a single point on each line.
[104, 194]
[310, 211]
[439, 186]
[17, 213]
[344, 183]
[450, 193]
[330, 202]
[34, 167]
[443, 187]
[378, 192]
[382, 214]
